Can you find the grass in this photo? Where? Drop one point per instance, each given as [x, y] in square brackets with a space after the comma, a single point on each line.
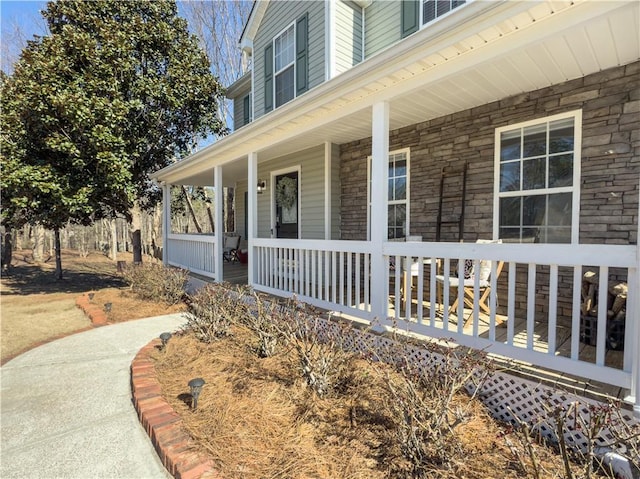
[35, 308]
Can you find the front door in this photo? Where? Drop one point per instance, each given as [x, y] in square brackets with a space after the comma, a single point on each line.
[287, 205]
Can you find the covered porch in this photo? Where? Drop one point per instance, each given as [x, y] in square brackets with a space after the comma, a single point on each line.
[538, 297]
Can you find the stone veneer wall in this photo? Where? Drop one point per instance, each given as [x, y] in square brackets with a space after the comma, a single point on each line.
[610, 103]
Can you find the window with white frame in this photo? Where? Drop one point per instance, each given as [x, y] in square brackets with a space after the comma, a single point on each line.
[397, 195]
[284, 56]
[537, 180]
[432, 9]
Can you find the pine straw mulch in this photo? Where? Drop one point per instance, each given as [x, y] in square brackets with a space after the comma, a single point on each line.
[257, 419]
[127, 305]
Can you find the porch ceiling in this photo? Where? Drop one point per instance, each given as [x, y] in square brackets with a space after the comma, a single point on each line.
[484, 52]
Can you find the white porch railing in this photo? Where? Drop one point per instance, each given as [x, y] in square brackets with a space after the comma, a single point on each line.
[329, 274]
[538, 296]
[192, 252]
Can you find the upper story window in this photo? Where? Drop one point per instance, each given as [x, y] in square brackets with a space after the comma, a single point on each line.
[416, 13]
[286, 65]
[284, 61]
[432, 9]
[537, 178]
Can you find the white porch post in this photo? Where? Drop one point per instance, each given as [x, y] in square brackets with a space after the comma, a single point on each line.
[633, 312]
[379, 220]
[219, 223]
[166, 221]
[252, 214]
[327, 189]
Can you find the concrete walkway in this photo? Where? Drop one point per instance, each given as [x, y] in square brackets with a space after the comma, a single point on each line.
[66, 411]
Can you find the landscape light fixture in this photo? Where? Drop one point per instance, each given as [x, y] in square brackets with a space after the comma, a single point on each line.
[196, 387]
[107, 307]
[165, 337]
[262, 185]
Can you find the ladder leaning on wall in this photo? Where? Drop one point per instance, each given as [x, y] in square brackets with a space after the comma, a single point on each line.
[453, 188]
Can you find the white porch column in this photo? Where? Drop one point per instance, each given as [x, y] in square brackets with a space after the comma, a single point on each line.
[633, 311]
[379, 216]
[219, 223]
[327, 189]
[166, 221]
[252, 215]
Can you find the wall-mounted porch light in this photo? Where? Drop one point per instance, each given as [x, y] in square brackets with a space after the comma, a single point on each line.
[262, 185]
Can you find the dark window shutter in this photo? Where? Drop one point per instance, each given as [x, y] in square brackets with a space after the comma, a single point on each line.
[302, 54]
[410, 17]
[268, 78]
[246, 105]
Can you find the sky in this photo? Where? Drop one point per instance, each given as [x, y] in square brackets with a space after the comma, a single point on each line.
[20, 20]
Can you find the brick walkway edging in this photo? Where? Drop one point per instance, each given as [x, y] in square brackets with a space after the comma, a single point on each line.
[96, 314]
[162, 423]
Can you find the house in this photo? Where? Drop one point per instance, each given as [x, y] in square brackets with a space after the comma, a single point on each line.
[361, 126]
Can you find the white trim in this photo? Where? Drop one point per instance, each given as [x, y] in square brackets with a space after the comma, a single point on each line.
[273, 174]
[283, 69]
[332, 40]
[363, 39]
[406, 201]
[574, 189]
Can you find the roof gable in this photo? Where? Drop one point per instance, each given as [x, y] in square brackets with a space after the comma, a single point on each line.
[253, 23]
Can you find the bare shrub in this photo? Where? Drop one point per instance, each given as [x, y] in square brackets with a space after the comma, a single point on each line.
[156, 282]
[263, 317]
[428, 399]
[578, 430]
[212, 310]
[319, 346]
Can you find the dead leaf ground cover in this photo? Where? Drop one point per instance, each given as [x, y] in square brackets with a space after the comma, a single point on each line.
[257, 419]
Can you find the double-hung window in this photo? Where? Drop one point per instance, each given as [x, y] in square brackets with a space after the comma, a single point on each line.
[432, 9]
[284, 57]
[397, 195]
[286, 64]
[416, 13]
[537, 178]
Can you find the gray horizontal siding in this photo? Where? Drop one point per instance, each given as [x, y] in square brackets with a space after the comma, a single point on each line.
[311, 164]
[382, 25]
[279, 15]
[348, 36]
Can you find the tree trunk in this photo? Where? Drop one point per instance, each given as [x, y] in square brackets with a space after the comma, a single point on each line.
[7, 252]
[187, 197]
[136, 236]
[38, 246]
[231, 224]
[113, 243]
[56, 233]
[209, 213]
[156, 231]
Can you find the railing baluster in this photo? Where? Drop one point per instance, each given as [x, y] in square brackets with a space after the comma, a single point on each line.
[603, 291]
[342, 282]
[511, 303]
[531, 304]
[553, 308]
[575, 320]
[493, 285]
[420, 291]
